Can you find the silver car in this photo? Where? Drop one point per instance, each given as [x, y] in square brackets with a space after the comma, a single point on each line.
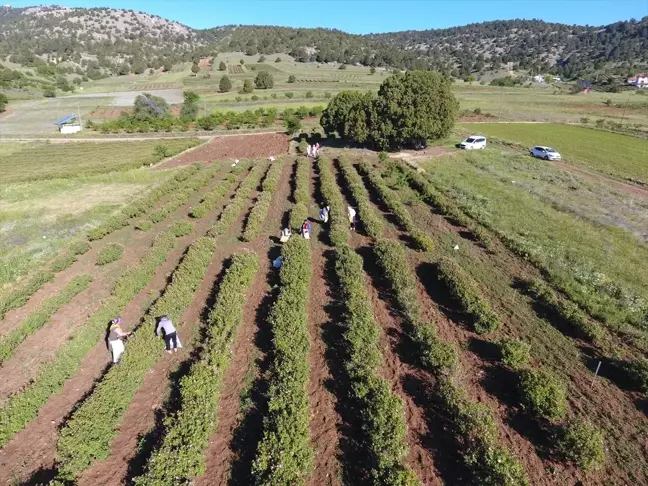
[546, 153]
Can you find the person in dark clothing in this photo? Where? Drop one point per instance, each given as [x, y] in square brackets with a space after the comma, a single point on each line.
[171, 338]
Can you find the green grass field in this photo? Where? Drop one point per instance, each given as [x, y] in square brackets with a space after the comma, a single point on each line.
[619, 155]
[590, 238]
[29, 162]
[52, 193]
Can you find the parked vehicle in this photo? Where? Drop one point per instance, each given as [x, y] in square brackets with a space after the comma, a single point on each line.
[546, 153]
[474, 142]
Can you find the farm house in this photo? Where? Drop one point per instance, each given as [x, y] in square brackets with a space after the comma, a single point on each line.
[69, 124]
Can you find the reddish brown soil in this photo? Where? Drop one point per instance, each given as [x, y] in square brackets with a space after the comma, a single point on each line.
[325, 422]
[146, 406]
[41, 346]
[36, 444]
[224, 449]
[601, 179]
[233, 147]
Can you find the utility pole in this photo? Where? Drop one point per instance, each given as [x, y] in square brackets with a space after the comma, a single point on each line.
[79, 116]
[625, 107]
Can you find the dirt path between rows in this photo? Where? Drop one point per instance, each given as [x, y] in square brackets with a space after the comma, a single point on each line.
[42, 345]
[36, 444]
[145, 413]
[325, 422]
[231, 449]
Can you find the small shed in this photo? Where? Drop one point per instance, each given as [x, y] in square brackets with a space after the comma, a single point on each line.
[69, 124]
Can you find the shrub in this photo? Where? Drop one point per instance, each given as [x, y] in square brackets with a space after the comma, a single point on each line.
[383, 418]
[278, 59]
[191, 426]
[302, 148]
[584, 120]
[477, 111]
[224, 84]
[248, 87]
[600, 123]
[254, 98]
[515, 353]
[582, 444]
[339, 226]
[109, 254]
[342, 66]
[222, 66]
[289, 94]
[293, 125]
[181, 228]
[285, 454]
[392, 201]
[292, 78]
[383, 157]
[466, 293]
[259, 211]
[210, 199]
[264, 80]
[87, 435]
[79, 248]
[309, 94]
[144, 225]
[543, 395]
[235, 206]
[368, 217]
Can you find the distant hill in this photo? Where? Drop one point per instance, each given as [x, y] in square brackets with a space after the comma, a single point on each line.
[61, 43]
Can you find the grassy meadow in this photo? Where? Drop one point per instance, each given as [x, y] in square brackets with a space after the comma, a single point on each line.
[619, 155]
[51, 194]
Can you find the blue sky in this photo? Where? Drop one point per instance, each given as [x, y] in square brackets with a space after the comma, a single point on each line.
[364, 16]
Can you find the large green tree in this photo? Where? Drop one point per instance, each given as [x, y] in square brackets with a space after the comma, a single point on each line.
[148, 106]
[412, 108]
[222, 66]
[347, 115]
[225, 84]
[264, 80]
[248, 87]
[409, 110]
[190, 106]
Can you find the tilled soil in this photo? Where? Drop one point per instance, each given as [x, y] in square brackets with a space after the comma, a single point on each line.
[233, 147]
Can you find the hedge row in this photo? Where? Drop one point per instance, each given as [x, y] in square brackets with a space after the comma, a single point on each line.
[180, 198]
[181, 228]
[87, 435]
[285, 454]
[383, 414]
[476, 435]
[37, 319]
[259, 211]
[235, 206]
[339, 226]
[180, 457]
[109, 254]
[368, 215]
[21, 408]
[396, 206]
[20, 296]
[143, 205]
[434, 353]
[210, 199]
[568, 311]
[467, 294]
[299, 212]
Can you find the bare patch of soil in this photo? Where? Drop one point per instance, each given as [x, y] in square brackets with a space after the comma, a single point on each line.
[233, 147]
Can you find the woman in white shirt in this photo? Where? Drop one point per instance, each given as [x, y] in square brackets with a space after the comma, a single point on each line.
[171, 339]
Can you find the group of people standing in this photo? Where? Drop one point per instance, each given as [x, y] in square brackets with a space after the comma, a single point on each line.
[117, 336]
[313, 150]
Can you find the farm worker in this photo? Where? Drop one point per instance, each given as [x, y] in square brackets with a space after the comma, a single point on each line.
[324, 214]
[352, 214]
[171, 339]
[309, 150]
[276, 263]
[306, 229]
[317, 149]
[115, 337]
[286, 233]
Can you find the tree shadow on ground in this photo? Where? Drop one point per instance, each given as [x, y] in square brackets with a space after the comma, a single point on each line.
[354, 452]
[249, 430]
[440, 439]
[150, 441]
[293, 184]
